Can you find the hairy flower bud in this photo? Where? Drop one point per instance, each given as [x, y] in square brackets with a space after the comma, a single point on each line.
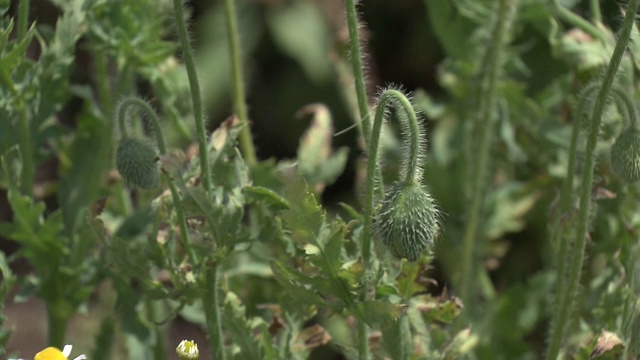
[625, 155]
[408, 220]
[136, 162]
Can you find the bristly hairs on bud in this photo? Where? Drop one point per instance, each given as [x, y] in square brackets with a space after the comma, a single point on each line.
[135, 157]
[408, 221]
[136, 161]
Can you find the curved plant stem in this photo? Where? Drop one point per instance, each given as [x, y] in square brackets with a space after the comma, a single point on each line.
[575, 266]
[196, 99]
[575, 20]
[412, 158]
[625, 103]
[239, 104]
[486, 112]
[210, 302]
[121, 112]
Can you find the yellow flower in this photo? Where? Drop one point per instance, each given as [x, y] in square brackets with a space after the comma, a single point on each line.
[52, 353]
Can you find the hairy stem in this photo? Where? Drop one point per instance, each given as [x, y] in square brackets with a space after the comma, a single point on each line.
[575, 266]
[488, 103]
[356, 63]
[358, 74]
[412, 158]
[121, 113]
[196, 98]
[562, 219]
[413, 162]
[211, 305]
[239, 99]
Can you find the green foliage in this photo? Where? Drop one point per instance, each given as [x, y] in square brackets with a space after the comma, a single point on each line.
[257, 258]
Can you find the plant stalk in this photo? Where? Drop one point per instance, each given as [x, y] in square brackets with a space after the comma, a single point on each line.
[162, 147]
[488, 102]
[568, 296]
[413, 163]
[211, 305]
[196, 98]
[577, 21]
[57, 328]
[358, 73]
[23, 19]
[239, 98]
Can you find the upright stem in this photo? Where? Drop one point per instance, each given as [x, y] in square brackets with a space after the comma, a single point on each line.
[57, 328]
[356, 63]
[23, 19]
[575, 266]
[488, 102]
[211, 306]
[195, 94]
[595, 11]
[566, 195]
[26, 147]
[239, 104]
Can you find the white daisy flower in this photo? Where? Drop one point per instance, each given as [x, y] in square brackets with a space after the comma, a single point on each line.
[187, 350]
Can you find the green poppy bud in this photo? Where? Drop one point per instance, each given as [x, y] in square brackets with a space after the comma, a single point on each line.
[136, 162]
[625, 155]
[408, 221]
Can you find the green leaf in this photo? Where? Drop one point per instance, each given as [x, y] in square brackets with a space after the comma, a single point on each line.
[292, 281]
[90, 157]
[377, 312]
[261, 194]
[38, 235]
[305, 218]
[10, 59]
[397, 339]
[241, 331]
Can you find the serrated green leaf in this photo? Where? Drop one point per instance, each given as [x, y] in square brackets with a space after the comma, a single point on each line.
[305, 218]
[10, 59]
[239, 328]
[292, 280]
[37, 234]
